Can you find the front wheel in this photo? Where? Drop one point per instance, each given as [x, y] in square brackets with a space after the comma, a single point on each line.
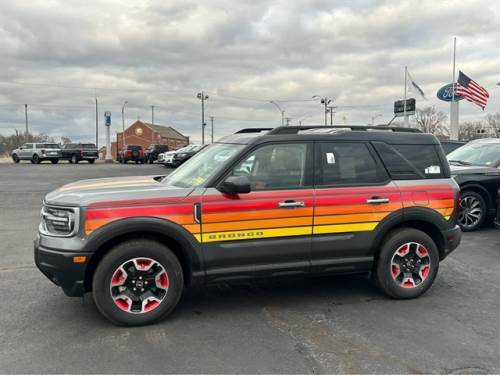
[407, 264]
[74, 159]
[15, 158]
[472, 211]
[138, 282]
[55, 161]
[35, 159]
[91, 161]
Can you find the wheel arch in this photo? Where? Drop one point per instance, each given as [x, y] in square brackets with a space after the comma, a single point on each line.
[480, 190]
[159, 230]
[424, 219]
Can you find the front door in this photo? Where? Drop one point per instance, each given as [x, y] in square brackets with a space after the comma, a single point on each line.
[354, 195]
[267, 231]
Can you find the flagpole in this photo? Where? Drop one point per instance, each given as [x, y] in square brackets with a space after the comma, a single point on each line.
[406, 90]
[454, 104]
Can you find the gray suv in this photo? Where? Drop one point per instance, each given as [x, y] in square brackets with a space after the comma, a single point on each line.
[37, 152]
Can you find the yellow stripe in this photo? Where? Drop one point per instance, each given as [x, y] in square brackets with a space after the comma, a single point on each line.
[339, 228]
[253, 234]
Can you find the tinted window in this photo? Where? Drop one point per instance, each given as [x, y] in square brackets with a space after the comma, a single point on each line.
[346, 164]
[406, 162]
[28, 146]
[87, 146]
[278, 166]
[50, 145]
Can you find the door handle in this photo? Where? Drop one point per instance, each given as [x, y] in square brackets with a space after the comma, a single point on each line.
[377, 200]
[290, 204]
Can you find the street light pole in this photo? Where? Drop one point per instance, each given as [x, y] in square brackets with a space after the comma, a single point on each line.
[202, 97]
[96, 124]
[26, 118]
[123, 122]
[281, 111]
[212, 128]
[152, 115]
[325, 101]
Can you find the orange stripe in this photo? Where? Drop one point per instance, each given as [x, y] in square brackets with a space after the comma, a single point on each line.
[356, 209]
[257, 224]
[354, 218]
[256, 215]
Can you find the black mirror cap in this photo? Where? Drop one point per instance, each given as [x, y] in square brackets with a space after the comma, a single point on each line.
[235, 185]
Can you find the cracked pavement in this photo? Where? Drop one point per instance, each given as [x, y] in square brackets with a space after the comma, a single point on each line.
[338, 324]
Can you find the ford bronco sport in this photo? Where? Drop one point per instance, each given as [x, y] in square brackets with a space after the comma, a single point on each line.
[289, 201]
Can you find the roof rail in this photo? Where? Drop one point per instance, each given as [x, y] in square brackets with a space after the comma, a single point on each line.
[253, 130]
[296, 129]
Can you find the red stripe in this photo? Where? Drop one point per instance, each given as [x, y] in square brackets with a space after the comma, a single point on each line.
[268, 204]
[139, 211]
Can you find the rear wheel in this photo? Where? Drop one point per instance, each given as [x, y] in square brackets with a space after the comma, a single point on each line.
[55, 161]
[91, 161]
[407, 265]
[35, 159]
[138, 282]
[15, 158]
[472, 211]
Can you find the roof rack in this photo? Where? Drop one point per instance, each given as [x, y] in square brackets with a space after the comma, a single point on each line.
[253, 130]
[296, 129]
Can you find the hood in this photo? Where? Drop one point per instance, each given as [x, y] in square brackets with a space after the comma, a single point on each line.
[84, 192]
[472, 169]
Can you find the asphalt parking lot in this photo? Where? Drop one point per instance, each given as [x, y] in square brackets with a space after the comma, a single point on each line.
[336, 324]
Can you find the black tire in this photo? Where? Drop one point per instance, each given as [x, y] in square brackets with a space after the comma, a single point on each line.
[125, 161]
[383, 271]
[74, 159]
[15, 158]
[473, 211]
[35, 159]
[55, 161]
[118, 256]
[71, 162]
[91, 161]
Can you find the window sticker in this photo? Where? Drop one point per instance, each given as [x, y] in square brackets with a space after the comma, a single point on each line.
[433, 169]
[330, 158]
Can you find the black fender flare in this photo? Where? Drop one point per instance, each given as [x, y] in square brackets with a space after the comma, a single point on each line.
[189, 246]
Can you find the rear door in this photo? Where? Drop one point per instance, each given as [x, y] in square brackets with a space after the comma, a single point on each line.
[267, 231]
[353, 195]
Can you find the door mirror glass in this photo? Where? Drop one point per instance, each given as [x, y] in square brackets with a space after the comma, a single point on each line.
[235, 185]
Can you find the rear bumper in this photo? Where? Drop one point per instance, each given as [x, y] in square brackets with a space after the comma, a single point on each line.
[452, 238]
[58, 267]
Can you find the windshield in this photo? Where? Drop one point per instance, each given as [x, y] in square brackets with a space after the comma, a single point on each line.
[202, 166]
[476, 154]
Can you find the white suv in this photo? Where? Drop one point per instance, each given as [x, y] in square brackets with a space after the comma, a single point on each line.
[37, 152]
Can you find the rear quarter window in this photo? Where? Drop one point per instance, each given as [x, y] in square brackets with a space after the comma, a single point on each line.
[411, 162]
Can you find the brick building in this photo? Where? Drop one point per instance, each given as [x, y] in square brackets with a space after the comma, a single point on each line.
[144, 134]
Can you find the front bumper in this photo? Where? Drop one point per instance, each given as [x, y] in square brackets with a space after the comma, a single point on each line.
[452, 238]
[59, 267]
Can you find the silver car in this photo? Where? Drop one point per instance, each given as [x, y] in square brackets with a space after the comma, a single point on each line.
[37, 152]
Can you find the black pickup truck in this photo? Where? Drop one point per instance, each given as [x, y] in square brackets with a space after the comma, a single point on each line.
[75, 152]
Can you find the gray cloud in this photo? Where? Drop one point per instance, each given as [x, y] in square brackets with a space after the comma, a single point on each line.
[241, 53]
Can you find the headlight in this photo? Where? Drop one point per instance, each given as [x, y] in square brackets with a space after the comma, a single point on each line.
[59, 221]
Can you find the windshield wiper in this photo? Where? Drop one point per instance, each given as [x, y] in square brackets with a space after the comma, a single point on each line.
[460, 162]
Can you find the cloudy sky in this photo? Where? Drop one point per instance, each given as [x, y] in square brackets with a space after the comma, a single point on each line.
[57, 55]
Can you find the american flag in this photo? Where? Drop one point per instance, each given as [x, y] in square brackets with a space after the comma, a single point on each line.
[471, 91]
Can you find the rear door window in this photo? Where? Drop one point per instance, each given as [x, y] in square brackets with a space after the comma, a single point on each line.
[342, 163]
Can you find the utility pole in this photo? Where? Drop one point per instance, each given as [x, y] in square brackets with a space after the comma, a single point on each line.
[330, 110]
[212, 128]
[202, 97]
[325, 101]
[152, 115]
[96, 124]
[123, 124]
[288, 119]
[26, 117]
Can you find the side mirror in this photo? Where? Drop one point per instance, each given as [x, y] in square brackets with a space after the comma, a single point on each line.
[235, 185]
[21, 148]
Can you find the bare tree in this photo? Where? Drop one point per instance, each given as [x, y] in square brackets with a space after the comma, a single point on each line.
[430, 120]
[65, 140]
[493, 124]
[471, 130]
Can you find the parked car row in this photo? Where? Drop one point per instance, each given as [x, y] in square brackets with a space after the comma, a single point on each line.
[178, 157]
[53, 152]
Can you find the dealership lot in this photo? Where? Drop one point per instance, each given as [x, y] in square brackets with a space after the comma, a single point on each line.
[335, 324]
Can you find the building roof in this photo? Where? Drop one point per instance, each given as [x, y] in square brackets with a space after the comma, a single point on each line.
[166, 131]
